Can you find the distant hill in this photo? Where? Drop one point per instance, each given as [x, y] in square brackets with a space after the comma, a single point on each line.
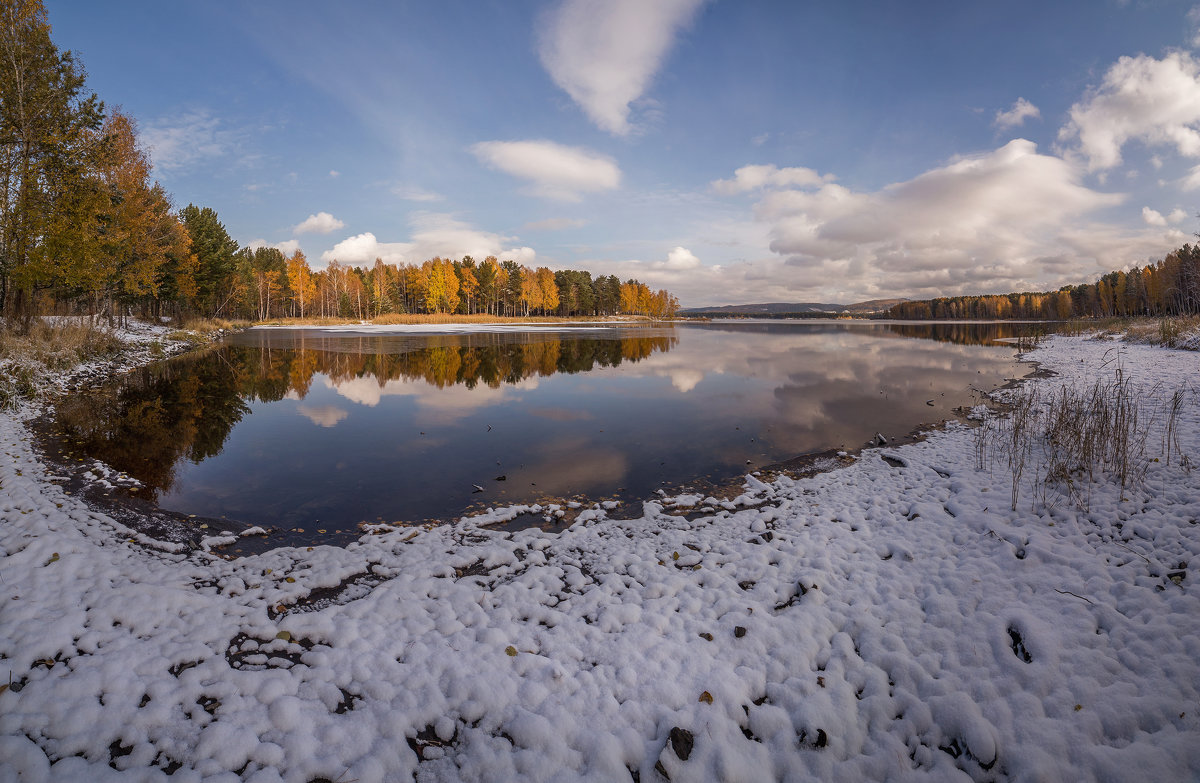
[873, 306]
[776, 309]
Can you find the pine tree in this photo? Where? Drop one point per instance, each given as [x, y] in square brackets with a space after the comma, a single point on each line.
[216, 287]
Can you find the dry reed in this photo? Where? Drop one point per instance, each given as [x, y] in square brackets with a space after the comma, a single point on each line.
[1079, 435]
[48, 347]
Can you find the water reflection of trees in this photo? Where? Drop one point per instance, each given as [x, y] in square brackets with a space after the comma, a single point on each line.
[186, 408]
[959, 333]
[156, 417]
[467, 363]
[968, 333]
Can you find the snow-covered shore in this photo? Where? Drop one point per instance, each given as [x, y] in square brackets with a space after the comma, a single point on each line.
[873, 622]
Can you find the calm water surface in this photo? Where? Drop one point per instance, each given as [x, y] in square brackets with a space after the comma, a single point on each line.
[327, 429]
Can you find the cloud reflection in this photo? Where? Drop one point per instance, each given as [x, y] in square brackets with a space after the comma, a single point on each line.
[322, 415]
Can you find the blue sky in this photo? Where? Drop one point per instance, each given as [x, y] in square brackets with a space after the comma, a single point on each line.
[729, 151]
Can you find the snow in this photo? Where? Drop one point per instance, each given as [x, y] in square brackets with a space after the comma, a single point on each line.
[873, 622]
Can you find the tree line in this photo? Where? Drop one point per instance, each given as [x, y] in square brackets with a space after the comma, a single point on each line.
[1167, 287]
[85, 229]
[262, 283]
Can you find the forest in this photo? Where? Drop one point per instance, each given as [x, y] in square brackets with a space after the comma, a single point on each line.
[1168, 287]
[84, 228]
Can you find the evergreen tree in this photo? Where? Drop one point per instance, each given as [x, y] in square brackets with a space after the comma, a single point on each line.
[216, 287]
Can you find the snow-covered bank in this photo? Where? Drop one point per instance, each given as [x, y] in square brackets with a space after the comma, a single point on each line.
[874, 622]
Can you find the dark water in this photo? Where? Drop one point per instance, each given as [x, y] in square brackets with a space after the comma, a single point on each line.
[322, 429]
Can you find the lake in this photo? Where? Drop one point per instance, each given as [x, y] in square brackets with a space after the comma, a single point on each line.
[321, 429]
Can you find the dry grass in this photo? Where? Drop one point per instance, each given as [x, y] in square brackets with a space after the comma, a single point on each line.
[1173, 331]
[309, 321]
[59, 346]
[447, 318]
[1078, 435]
[392, 319]
[48, 348]
[206, 326]
[1094, 326]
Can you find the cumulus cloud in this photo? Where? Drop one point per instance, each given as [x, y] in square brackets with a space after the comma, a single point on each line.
[362, 250]
[604, 53]
[320, 223]
[555, 171]
[749, 178]
[1009, 219]
[1177, 216]
[1156, 102]
[433, 234]
[334, 173]
[680, 259]
[1021, 110]
[1152, 217]
[287, 246]
[554, 224]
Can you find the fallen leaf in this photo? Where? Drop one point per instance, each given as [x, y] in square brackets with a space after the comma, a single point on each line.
[706, 697]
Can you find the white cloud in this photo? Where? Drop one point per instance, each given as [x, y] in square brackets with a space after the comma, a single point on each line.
[555, 171]
[362, 250]
[749, 178]
[287, 246]
[1191, 181]
[1020, 111]
[604, 53]
[334, 173]
[433, 234]
[680, 259]
[1010, 219]
[179, 142]
[1156, 102]
[1177, 216]
[1193, 18]
[320, 223]
[554, 224]
[1153, 218]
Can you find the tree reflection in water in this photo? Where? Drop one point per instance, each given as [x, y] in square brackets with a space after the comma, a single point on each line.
[185, 408]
